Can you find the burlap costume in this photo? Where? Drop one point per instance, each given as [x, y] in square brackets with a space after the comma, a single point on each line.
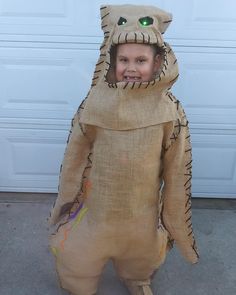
[125, 183]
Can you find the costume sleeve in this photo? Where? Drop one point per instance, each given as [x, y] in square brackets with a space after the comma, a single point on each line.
[176, 214]
[74, 163]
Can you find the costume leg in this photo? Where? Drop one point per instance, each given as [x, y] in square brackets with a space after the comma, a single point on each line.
[80, 257]
[135, 273]
[143, 256]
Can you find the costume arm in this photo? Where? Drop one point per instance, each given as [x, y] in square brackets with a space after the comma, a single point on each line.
[177, 164]
[72, 168]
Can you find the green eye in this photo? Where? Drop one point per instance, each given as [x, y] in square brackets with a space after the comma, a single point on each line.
[146, 21]
[122, 21]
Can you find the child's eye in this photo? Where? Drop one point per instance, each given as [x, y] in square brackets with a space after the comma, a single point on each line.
[123, 59]
[141, 60]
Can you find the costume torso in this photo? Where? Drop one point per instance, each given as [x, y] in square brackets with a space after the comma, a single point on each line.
[125, 173]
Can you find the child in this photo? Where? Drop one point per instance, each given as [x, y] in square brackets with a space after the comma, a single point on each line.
[125, 183]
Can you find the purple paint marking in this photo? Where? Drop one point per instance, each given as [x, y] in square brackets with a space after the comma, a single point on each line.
[74, 214]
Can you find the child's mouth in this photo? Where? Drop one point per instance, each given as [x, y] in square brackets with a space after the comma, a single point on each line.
[132, 79]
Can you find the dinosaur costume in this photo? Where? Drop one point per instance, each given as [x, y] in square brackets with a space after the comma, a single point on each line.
[125, 183]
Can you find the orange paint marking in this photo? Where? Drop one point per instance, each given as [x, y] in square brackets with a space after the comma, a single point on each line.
[62, 243]
[77, 221]
[88, 186]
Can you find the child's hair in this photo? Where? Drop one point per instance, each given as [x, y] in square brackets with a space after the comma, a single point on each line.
[156, 50]
[110, 77]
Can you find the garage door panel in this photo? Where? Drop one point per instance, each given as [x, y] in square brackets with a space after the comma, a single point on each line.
[32, 159]
[55, 17]
[194, 21]
[206, 87]
[214, 190]
[214, 169]
[36, 17]
[202, 22]
[43, 83]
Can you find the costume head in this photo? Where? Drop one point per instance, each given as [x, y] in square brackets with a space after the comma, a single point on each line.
[131, 24]
[126, 105]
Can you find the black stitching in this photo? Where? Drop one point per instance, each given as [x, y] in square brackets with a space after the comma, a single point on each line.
[190, 233]
[126, 85]
[187, 220]
[61, 224]
[170, 97]
[189, 150]
[174, 78]
[126, 36]
[189, 163]
[179, 127]
[143, 37]
[118, 41]
[148, 84]
[167, 21]
[98, 64]
[174, 137]
[177, 103]
[190, 225]
[105, 15]
[194, 248]
[188, 200]
[188, 188]
[89, 157]
[188, 210]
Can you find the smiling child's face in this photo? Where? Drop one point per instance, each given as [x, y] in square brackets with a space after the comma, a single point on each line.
[136, 63]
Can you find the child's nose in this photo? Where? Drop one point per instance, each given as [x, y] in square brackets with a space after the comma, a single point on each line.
[131, 67]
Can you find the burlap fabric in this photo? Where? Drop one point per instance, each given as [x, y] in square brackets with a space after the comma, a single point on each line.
[125, 183]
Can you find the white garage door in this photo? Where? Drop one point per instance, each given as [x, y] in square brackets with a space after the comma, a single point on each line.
[48, 50]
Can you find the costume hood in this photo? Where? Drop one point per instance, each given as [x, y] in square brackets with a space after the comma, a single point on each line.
[127, 105]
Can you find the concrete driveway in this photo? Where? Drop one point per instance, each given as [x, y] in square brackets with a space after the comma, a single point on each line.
[27, 266]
